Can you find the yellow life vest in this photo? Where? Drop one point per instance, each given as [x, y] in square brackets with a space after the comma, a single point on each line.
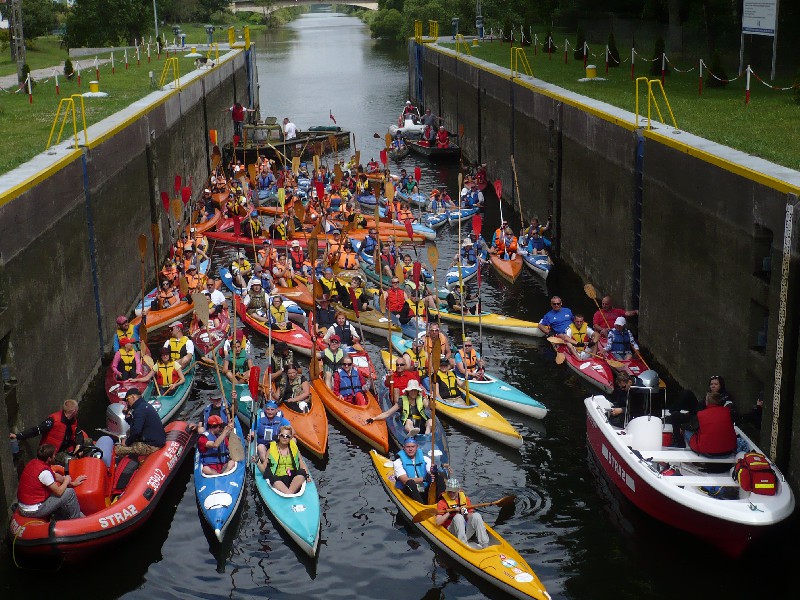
[128, 333]
[450, 380]
[278, 464]
[166, 373]
[579, 335]
[279, 314]
[128, 360]
[176, 347]
[405, 407]
[417, 308]
[420, 360]
[469, 361]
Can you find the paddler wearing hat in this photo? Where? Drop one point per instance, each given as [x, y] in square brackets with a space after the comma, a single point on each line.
[256, 301]
[464, 523]
[414, 409]
[413, 471]
[241, 268]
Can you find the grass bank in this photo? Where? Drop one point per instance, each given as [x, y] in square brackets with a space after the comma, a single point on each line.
[768, 127]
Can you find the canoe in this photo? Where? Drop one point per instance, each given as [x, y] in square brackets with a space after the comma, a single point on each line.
[434, 153]
[491, 389]
[489, 320]
[354, 417]
[291, 306]
[167, 406]
[104, 523]
[398, 154]
[538, 263]
[207, 340]
[205, 225]
[296, 337]
[475, 415]
[499, 564]
[506, 268]
[219, 496]
[298, 514]
[371, 320]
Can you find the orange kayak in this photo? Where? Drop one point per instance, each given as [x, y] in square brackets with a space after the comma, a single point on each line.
[507, 269]
[311, 427]
[159, 318]
[205, 225]
[355, 417]
[299, 293]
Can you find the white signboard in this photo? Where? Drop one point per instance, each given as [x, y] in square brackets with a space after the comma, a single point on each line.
[760, 17]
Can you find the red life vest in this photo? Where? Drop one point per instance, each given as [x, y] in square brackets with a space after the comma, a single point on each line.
[58, 433]
[166, 371]
[395, 298]
[716, 434]
[237, 113]
[30, 490]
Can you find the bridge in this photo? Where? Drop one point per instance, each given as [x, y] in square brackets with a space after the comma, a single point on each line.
[270, 7]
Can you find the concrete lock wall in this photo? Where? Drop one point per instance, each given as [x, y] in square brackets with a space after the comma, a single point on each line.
[696, 230]
[69, 263]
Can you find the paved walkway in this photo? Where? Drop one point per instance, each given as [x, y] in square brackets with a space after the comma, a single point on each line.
[10, 81]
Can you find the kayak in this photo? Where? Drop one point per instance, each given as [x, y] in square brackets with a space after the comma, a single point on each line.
[117, 390]
[298, 293]
[291, 306]
[298, 514]
[155, 319]
[207, 340]
[107, 519]
[538, 263]
[491, 320]
[462, 214]
[468, 273]
[219, 496]
[435, 220]
[296, 338]
[360, 356]
[596, 371]
[499, 564]
[475, 415]
[506, 268]
[205, 226]
[355, 417]
[371, 320]
[491, 389]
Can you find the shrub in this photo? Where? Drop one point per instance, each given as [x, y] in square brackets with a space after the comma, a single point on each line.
[25, 70]
[613, 53]
[658, 51]
[717, 69]
[68, 68]
[580, 40]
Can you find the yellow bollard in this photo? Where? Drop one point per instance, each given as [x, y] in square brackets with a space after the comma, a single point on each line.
[474, 41]
[94, 86]
[591, 71]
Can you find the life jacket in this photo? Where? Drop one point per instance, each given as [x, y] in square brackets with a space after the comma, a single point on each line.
[348, 260]
[468, 256]
[579, 335]
[620, 341]
[237, 113]
[30, 490]
[450, 380]
[395, 298]
[328, 285]
[343, 331]
[469, 361]
[281, 362]
[716, 434]
[442, 138]
[416, 308]
[222, 413]
[334, 248]
[128, 363]
[331, 359]
[459, 502]
[129, 333]
[166, 298]
[193, 282]
[166, 373]
[240, 360]
[442, 342]
[404, 214]
[61, 435]
[293, 388]
[349, 383]
[277, 464]
[413, 466]
[420, 360]
[170, 272]
[297, 257]
[277, 315]
[279, 271]
[177, 348]
[237, 268]
[266, 425]
[498, 234]
[510, 244]
[406, 410]
[267, 258]
[257, 300]
[215, 456]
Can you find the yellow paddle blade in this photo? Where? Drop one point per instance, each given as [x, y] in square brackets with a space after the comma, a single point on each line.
[399, 273]
[555, 340]
[295, 165]
[142, 241]
[388, 138]
[183, 286]
[433, 256]
[251, 170]
[281, 197]
[315, 160]
[177, 208]
[560, 358]
[390, 192]
[200, 303]
[590, 291]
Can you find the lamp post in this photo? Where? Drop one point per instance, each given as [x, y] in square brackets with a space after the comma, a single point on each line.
[479, 19]
[155, 17]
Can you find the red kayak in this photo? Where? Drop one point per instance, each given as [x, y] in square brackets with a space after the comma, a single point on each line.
[296, 338]
[108, 518]
[596, 370]
[116, 390]
[360, 356]
[207, 340]
[229, 237]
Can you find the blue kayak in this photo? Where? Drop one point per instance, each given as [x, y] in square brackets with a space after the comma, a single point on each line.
[538, 263]
[468, 272]
[491, 389]
[436, 220]
[454, 216]
[219, 496]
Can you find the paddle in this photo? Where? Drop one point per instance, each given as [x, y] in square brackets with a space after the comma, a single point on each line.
[142, 243]
[434, 362]
[155, 233]
[148, 360]
[614, 364]
[387, 138]
[519, 198]
[399, 273]
[418, 177]
[354, 303]
[433, 259]
[183, 286]
[592, 293]
[427, 513]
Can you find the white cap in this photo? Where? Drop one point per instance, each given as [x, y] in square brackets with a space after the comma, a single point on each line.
[408, 101]
[413, 385]
[620, 321]
[217, 297]
[242, 255]
[255, 282]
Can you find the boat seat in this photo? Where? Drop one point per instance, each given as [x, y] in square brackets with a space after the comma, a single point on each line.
[700, 480]
[679, 455]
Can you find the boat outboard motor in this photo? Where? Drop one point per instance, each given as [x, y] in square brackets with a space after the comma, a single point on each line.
[115, 420]
[648, 379]
[645, 430]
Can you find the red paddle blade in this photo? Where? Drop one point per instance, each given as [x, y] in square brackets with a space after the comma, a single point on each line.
[416, 273]
[177, 184]
[384, 158]
[252, 383]
[186, 194]
[236, 139]
[409, 229]
[477, 223]
[237, 225]
[498, 188]
[417, 174]
[165, 200]
[320, 188]
[354, 301]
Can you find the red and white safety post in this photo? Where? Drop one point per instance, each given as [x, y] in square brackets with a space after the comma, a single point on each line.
[606, 59]
[535, 44]
[126, 58]
[700, 81]
[113, 68]
[566, 51]
[78, 71]
[96, 69]
[30, 88]
[55, 74]
[138, 56]
[158, 50]
[633, 60]
[747, 87]
[585, 53]
[148, 52]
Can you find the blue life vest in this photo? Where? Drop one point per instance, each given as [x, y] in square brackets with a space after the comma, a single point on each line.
[620, 341]
[267, 430]
[368, 246]
[207, 413]
[215, 456]
[414, 467]
[349, 383]
[536, 243]
[469, 255]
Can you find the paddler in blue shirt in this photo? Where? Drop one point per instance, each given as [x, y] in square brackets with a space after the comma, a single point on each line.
[557, 319]
[265, 429]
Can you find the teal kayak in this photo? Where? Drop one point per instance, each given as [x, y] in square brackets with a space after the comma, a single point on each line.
[167, 406]
[244, 400]
[491, 389]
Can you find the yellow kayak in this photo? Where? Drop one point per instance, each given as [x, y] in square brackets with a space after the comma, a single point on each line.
[371, 320]
[499, 563]
[492, 321]
[476, 414]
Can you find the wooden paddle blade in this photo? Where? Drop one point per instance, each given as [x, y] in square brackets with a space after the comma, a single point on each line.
[215, 160]
[390, 192]
[460, 182]
[560, 358]
[460, 130]
[299, 211]
[615, 364]
[295, 165]
[433, 256]
[183, 286]
[505, 501]
[436, 354]
[388, 138]
[200, 303]
[425, 514]
[590, 291]
[148, 360]
[177, 208]
[142, 242]
[399, 273]
[235, 447]
[555, 340]
[358, 157]
[315, 162]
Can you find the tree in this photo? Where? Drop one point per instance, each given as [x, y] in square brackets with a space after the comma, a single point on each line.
[38, 17]
[122, 22]
[387, 24]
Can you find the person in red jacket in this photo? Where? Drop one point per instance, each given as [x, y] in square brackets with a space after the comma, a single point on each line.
[42, 492]
[711, 431]
[460, 520]
[60, 429]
